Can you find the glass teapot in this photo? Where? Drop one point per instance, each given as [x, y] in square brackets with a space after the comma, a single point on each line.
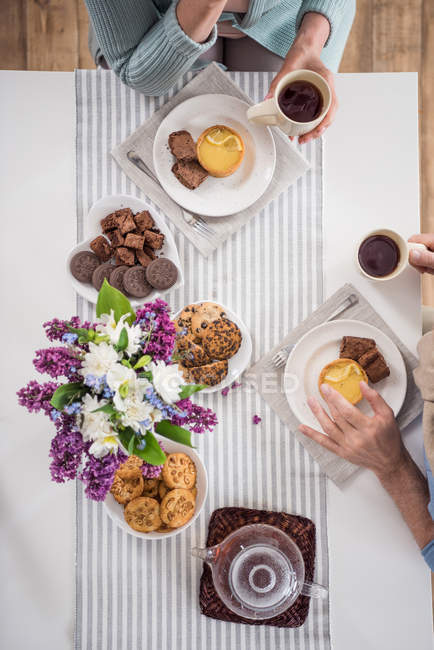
[258, 571]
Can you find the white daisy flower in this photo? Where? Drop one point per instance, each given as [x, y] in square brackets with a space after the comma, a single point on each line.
[99, 359]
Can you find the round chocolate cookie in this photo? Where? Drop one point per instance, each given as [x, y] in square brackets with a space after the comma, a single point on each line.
[222, 339]
[117, 277]
[83, 264]
[135, 282]
[102, 271]
[161, 273]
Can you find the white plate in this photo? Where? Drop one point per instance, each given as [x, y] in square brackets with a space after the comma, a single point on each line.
[101, 209]
[217, 197]
[239, 362]
[320, 346]
[116, 511]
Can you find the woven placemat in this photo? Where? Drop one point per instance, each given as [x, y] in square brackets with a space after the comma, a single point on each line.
[223, 522]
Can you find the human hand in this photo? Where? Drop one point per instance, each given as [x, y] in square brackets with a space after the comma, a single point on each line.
[373, 441]
[423, 261]
[305, 54]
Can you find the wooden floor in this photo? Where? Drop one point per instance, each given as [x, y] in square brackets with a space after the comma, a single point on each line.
[387, 36]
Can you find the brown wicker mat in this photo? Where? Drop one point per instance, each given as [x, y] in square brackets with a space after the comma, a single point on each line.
[223, 522]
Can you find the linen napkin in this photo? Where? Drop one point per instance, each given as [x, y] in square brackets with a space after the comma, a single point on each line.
[336, 468]
[290, 164]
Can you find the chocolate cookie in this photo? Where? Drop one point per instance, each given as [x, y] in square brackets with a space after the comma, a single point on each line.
[117, 277]
[222, 339]
[82, 265]
[102, 271]
[161, 273]
[210, 375]
[204, 314]
[135, 282]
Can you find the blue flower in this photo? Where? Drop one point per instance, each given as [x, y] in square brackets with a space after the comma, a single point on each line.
[69, 338]
[73, 408]
[54, 414]
[142, 444]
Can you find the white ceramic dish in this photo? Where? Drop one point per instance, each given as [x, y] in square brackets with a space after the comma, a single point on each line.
[320, 346]
[101, 209]
[217, 197]
[116, 511]
[239, 362]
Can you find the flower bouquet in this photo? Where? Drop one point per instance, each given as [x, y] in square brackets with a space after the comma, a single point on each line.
[120, 387]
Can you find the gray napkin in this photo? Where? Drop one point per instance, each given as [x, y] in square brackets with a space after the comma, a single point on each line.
[336, 468]
[290, 164]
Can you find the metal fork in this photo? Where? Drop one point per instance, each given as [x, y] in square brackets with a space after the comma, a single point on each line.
[280, 358]
[193, 220]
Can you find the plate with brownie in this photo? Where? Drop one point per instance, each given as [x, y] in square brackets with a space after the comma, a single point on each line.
[342, 353]
[213, 346]
[210, 159]
[130, 246]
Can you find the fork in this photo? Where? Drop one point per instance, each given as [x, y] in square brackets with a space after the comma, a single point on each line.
[193, 220]
[279, 359]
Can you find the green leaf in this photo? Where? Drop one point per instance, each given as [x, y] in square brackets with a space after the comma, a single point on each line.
[123, 340]
[173, 432]
[123, 389]
[110, 298]
[143, 361]
[126, 363]
[131, 445]
[145, 375]
[66, 394]
[83, 333]
[152, 453]
[107, 408]
[189, 389]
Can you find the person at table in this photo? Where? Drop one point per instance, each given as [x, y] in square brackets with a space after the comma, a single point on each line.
[375, 441]
[150, 45]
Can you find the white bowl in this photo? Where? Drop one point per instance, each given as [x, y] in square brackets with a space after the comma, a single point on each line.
[239, 362]
[101, 209]
[116, 511]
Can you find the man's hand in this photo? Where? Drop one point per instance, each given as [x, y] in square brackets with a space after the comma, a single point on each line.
[373, 441]
[305, 54]
[423, 261]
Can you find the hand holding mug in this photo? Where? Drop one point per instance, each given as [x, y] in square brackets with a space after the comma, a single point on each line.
[422, 260]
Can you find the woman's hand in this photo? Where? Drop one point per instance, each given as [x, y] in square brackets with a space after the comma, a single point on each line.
[423, 261]
[373, 441]
[305, 54]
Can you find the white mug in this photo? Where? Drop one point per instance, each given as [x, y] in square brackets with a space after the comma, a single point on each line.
[269, 111]
[404, 252]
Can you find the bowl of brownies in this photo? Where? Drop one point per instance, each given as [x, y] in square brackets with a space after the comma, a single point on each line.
[129, 245]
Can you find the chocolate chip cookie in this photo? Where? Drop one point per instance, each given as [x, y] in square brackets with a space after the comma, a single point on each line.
[190, 353]
[177, 507]
[222, 339]
[205, 313]
[183, 322]
[210, 375]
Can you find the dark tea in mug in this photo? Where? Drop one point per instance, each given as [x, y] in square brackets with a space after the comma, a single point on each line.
[378, 255]
[301, 101]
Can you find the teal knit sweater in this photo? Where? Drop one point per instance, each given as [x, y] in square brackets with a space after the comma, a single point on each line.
[144, 44]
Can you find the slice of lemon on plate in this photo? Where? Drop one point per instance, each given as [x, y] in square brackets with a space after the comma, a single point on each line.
[232, 143]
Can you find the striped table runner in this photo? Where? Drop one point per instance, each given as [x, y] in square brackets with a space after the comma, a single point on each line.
[137, 594]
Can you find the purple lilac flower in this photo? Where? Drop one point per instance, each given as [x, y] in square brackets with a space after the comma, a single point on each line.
[256, 419]
[55, 329]
[225, 391]
[57, 362]
[36, 397]
[160, 333]
[66, 450]
[236, 384]
[197, 418]
[98, 473]
[151, 471]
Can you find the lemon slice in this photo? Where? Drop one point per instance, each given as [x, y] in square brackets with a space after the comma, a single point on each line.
[232, 143]
[217, 136]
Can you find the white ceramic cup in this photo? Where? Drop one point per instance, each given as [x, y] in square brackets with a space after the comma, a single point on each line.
[269, 112]
[404, 252]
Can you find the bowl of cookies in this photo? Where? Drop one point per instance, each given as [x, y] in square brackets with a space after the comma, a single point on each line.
[129, 244]
[213, 345]
[161, 507]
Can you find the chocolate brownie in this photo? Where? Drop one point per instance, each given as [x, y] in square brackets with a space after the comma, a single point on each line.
[190, 354]
[101, 248]
[110, 222]
[182, 145]
[143, 220]
[143, 258]
[352, 347]
[102, 271]
[134, 241]
[116, 238]
[117, 277]
[161, 273]
[83, 264]
[374, 364]
[125, 256]
[126, 221]
[149, 252]
[189, 173]
[135, 282]
[222, 339]
[154, 240]
[211, 374]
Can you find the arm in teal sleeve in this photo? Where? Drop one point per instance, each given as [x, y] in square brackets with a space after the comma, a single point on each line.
[333, 10]
[148, 51]
[256, 10]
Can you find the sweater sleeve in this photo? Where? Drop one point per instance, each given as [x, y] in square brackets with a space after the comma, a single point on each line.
[333, 10]
[147, 50]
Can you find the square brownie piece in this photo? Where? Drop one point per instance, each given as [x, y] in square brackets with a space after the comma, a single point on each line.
[125, 256]
[154, 240]
[144, 221]
[127, 224]
[374, 364]
[101, 248]
[116, 238]
[143, 258]
[149, 252]
[110, 222]
[352, 347]
[134, 241]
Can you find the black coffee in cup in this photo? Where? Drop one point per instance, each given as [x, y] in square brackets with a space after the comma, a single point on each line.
[301, 101]
[378, 255]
